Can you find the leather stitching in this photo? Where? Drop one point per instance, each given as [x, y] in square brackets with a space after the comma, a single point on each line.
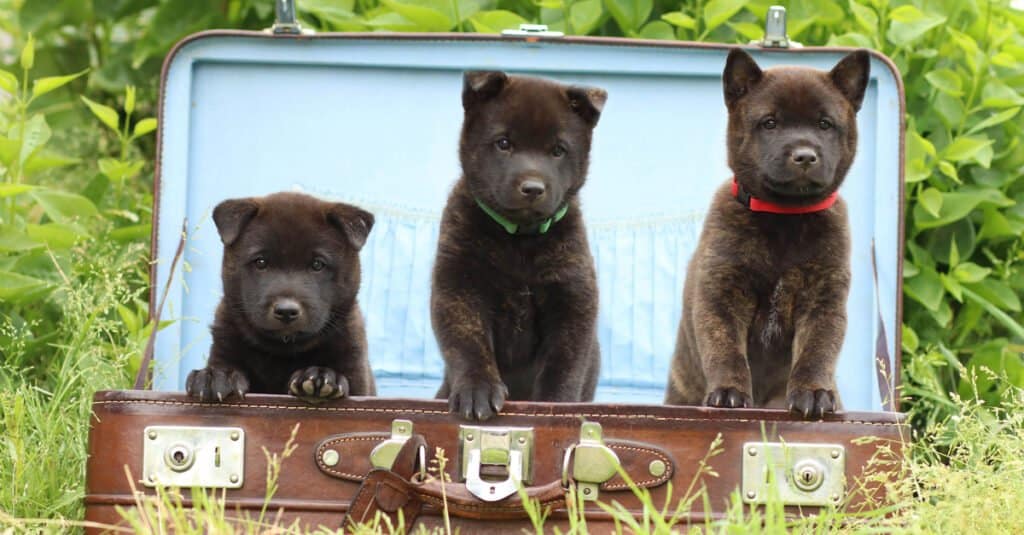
[330, 442]
[397, 411]
[652, 482]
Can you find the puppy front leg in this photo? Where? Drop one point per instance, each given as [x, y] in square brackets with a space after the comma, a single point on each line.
[722, 315]
[566, 352]
[474, 386]
[819, 330]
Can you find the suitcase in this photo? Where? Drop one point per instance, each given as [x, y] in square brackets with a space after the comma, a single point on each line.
[248, 113]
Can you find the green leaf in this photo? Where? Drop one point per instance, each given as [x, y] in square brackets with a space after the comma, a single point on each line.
[132, 233]
[117, 170]
[45, 158]
[970, 272]
[955, 206]
[61, 205]
[8, 82]
[680, 20]
[15, 286]
[43, 86]
[585, 16]
[949, 243]
[36, 134]
[426, 18]
[908, 24]
[909, 340]
[56, 235]
[489, 22]
[925, 288]
[629, 14]
[994, 309]
[28, 54]
[657, 29]
[865, 16]
[748, 30]
[997, 293]
[144, 127]
[993, 120]
[950, 109]
[949, 170]
[105, 114]
[717, 12]
[129, 99]
[952, 286]
[995, 225]
[996, 94]
[946, 80]
[15, 240]
[851, 39]
[931, 200]
[966, 148]
[10, 190]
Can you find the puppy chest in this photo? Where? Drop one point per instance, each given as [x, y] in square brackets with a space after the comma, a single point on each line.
[518, 324]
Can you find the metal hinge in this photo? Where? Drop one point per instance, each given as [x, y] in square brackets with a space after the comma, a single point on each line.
[532, 30]
[383, 456]
[193, 456]
[794, 474]
[593, 463]
[285, 20]
[775, 30]
[495, 460]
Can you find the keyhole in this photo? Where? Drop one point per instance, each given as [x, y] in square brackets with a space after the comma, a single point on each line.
[808, 477]
[179, 457]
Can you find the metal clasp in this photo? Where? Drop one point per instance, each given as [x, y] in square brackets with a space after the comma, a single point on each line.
[495, 460]
[285, 20]
[794, 474]
[193, 456]
[775, 30]
[385, 453]
[532, 30]
[593, 463]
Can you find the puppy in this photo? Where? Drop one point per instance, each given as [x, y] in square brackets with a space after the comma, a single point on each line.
[764, 304]
[514, 293]
[288, 321]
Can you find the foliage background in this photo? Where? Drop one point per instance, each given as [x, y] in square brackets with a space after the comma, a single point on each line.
[78, 88]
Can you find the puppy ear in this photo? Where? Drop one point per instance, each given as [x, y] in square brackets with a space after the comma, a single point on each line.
[478, 86]
[741, 74]
[587, 102]
[850, 75]
[354, 222]
[232, 215]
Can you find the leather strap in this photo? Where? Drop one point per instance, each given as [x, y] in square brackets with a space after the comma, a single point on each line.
[387, 497]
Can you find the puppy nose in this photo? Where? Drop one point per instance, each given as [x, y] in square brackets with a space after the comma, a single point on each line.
[532, 188]
[805, 157]
[287, 310]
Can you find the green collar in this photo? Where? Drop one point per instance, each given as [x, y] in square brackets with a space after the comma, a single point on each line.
[513, 228]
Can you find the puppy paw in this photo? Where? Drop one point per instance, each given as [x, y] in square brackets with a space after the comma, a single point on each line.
[316, 383]
[728, 398]
[811, 403]
[477, 399]
[216, 385]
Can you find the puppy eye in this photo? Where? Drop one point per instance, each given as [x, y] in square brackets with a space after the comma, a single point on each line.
[503, 144]
[825, 124]
[260, 263]
[769, 124]
[317, 265]
[558, 151]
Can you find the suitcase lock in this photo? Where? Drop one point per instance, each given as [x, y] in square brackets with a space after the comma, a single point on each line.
[495, 460]
[795, 474]
[592, 462]
[193, 456]
[384, 454]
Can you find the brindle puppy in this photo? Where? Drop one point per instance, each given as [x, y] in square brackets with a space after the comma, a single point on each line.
[764, 305]
[514, 296]
[289, 321]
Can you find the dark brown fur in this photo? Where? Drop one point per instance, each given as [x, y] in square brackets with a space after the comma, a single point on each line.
[515, 315]
[764, 305]
[289, 321]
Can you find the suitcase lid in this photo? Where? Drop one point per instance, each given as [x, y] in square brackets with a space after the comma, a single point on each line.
[374, 119]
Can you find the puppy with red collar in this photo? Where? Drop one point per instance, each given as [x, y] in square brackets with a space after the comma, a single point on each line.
[764, 304]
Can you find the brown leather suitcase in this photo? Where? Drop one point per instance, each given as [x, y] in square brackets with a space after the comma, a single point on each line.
[249, 112]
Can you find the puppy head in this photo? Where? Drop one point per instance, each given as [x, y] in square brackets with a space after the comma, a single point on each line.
[792, 130]
[525, 142]
[291, 263]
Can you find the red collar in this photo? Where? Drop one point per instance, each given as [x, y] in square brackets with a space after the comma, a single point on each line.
[757, 205]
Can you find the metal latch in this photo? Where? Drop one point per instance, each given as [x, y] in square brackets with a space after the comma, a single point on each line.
[285, 20]
[795, 474]
[383, 456]
[593, 462]
[495, 460]
[532, 30]
[775, 30]
[193, 456]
